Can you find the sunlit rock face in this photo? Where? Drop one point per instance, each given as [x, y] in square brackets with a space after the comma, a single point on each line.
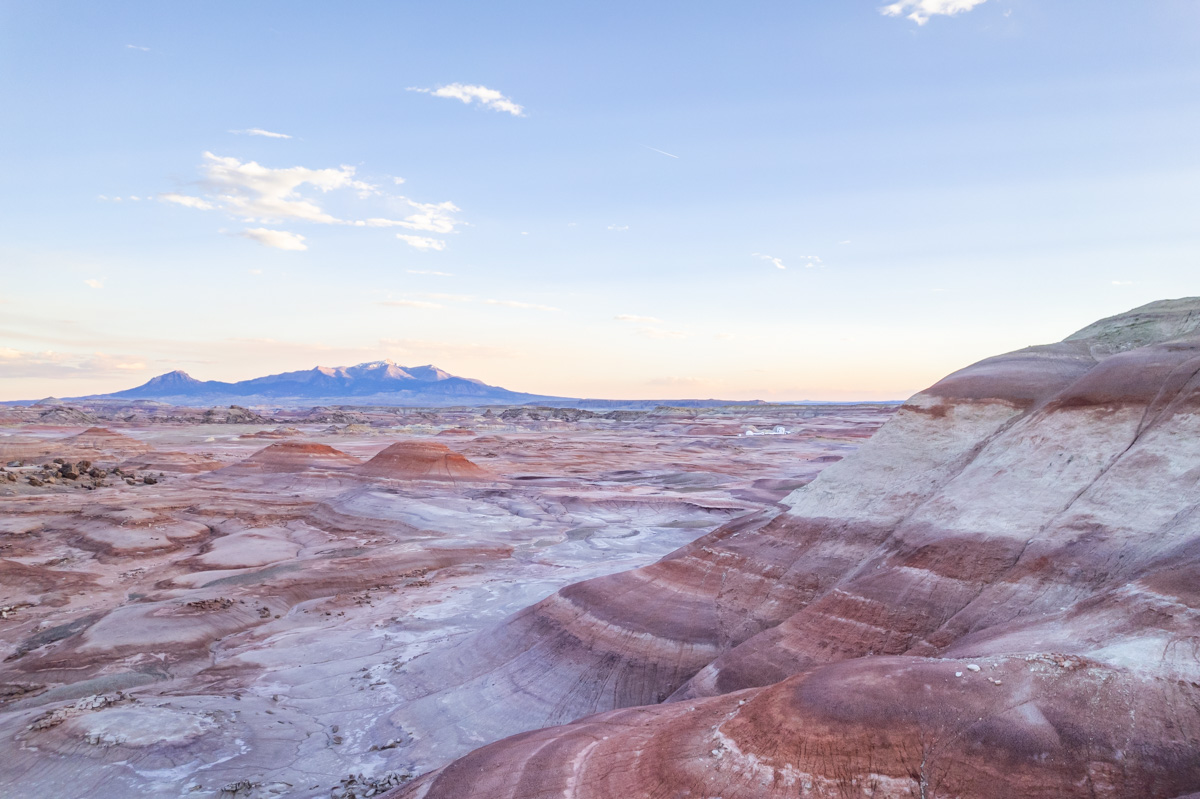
[998, 595]
[236, 609]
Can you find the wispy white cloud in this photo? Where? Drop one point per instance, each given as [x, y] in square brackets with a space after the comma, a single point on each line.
[260, 132]
[919, 11]
[429, 217]
[186, 201]
[810, 261]
[618, 227]
[772, 259]
[279, 239]
[628, 317]
[412, 304]
[422, 242]
[469, 94]
[137, 47]
[252, 192]
[429, 272]
[94, 283]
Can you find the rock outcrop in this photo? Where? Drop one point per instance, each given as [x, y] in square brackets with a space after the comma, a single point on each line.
[995, 596]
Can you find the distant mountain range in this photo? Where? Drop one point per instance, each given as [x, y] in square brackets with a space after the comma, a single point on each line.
[374, 383]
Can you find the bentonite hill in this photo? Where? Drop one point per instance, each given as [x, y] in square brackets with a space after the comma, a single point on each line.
[997, 596]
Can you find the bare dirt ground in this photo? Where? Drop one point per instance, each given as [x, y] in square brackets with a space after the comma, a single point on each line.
[221, 602]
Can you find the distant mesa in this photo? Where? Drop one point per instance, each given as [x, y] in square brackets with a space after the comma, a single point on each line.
[421, 460]
[296, 456]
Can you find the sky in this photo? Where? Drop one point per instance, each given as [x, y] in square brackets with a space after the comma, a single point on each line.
[763, 200]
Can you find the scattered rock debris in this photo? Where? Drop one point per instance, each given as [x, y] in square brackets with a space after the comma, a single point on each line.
[359, 786]
[220, 603]
[86, 705]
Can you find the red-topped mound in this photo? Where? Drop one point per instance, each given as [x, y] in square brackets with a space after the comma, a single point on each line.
[101, 438]
[298, 456]
[421, 460]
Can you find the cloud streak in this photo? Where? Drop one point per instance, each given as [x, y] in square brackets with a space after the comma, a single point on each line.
[662, 152]
[260, 132]
[920, 11]
[279, 239]
[468, 93]
[186, 201]
[251, 192]
[810, 261]
[422, 243]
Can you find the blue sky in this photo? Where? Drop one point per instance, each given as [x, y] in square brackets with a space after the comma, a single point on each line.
[765, 200]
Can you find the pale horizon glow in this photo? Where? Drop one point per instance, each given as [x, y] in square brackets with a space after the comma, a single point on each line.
[842, 201]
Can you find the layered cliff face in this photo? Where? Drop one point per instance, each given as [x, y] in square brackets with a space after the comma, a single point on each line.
[998, 595]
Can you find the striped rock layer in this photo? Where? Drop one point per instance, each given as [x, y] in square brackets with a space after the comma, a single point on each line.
[996, 596]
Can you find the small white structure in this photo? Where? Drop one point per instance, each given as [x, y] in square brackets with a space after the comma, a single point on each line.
[777, 430]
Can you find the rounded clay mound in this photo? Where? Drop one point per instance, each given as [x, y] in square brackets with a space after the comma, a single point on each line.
[101, 438]
[298, 456]
[421, 460]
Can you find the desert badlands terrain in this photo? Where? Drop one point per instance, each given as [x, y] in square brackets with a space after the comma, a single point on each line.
[217, 602]
[995, 595]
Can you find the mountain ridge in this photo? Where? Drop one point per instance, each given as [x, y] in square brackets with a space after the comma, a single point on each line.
[382, 382]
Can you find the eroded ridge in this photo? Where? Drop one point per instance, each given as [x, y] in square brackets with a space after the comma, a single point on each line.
[996, 596]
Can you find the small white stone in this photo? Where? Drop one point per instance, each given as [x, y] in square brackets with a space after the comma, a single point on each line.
[958, 674]
[972, 667]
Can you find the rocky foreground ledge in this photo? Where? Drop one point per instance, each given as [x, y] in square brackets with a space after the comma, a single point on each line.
[997, 596]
